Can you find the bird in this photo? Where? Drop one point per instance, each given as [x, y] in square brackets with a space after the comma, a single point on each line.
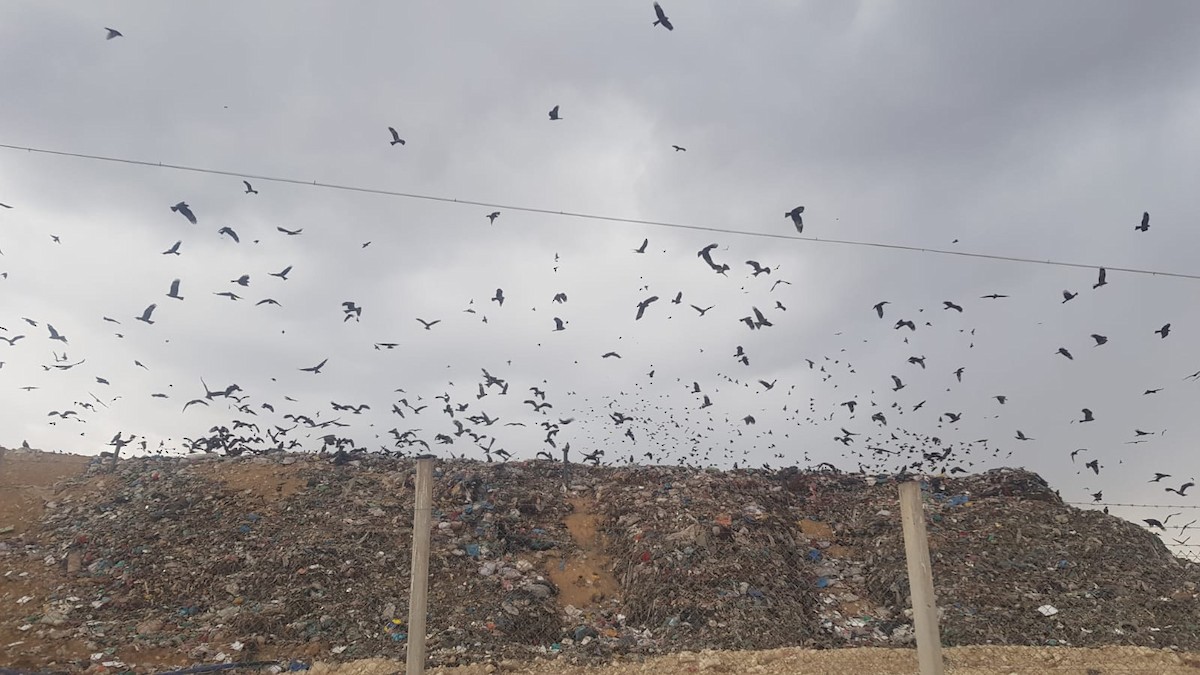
[249, 190]
[315, 369]
[768, 385]
[904, 322]
[186, 211]
[797, 220]
[12, 340]
[1102, 281]
[174, 292]
[396, 140]
[879, 307]
[642, 248]
[112, 33]
[193, 402]
[229, 231]
[1094, 465]
[1159, 476]
[1164, 331]
[701, 311]
[242, 281]
[1182, 491]
[1022, 437]
[661, 18]
[678, 299]
[560, 298]
[1097, 496]
[54, 335]
[145, 317]
[679, 149]
[554, 114]
[917, 361]
[1001, 399]
[1068, 296]
[3, 205]
[992, 296]
[492, 217]
[559, 324]
[1151, 391]
[1064, 352]
[499, 297]
[227, 294]
[898, 384]
[1087, 416]
[1145, 226]
[950, 305]
[643, 305]
[174, 250]
[758, 269]
[290, 233]
[268, 301]
[429, 324]
[760, 320]
[283, 274]
[958, 373]
[610, 355]
[1100, 339]
[1151, 522]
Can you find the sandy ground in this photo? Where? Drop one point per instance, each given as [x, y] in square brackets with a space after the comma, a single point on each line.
[26, 483]
[959, 661]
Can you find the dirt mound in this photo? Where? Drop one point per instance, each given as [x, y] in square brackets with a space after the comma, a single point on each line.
[173, 561]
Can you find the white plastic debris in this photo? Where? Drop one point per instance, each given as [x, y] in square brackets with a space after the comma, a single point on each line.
[24, 599]
[1048, 610]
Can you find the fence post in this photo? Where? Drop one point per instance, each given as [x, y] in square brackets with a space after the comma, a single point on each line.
[920, 580]
[418, 592]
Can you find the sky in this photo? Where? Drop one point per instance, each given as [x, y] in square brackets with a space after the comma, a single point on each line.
[1042, 131]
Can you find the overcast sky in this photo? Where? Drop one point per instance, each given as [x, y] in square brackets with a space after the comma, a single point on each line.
[1036, 130]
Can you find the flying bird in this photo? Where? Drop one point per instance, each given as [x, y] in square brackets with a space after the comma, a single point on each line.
[1100, 339]
[55, 335]
[554, 114]
[879, 307]
[1103, 280]
[1087, 416]
[679, 149]
[794, 214]
[950, 305]
[283, 274]
[1182, 491]
[661, 18]
[112, 33]
[145, 317]
[315, 369]
[184, 210]
[898, 384]
[499, 297]
[642, 248]
[429, 324]
[559, 324]
[758, 269]
[492, 217]
[174, 250]
[1145, 226]
[1068, 296]
[1064, 352]
[1164, 331]
[229, 231]
[290, 233]
[174, 292]
[396, 140]
[702, 311]
[249, 190]
[643, 305]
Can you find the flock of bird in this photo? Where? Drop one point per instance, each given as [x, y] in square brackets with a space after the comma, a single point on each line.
[879, 420]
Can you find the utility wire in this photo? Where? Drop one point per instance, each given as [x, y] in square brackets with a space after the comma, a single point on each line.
[594, 216]
[1144, 506]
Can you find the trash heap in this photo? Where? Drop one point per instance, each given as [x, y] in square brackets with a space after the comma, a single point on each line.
[173, 553]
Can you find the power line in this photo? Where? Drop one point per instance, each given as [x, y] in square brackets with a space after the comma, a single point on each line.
[1144, 506]
[594, 216]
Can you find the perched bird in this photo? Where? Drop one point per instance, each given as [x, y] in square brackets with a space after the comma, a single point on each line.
[661, 18]
[797, 220]
[174, 250]
[1164, 331]
[396, 140]
[112, 33]
[229, 231]
[554, 114]
[249, 190]
[492, 217]
[1145, 226]
[184, 210]
[1102, 281]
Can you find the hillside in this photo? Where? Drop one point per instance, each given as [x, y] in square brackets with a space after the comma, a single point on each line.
[295, 556]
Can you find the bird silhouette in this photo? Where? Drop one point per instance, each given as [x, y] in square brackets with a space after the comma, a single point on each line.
[1068, 296]
[186, 211]
[1145, 226]
[229, 231]
[797, 220]
[1064, 352]
[643, 305]
[679, 149]
[249, 190]
[661, 18]
[290, 233]
[174, 250]
[1102, 280]
[642, 248]
[112, 33]
[1164, 331]
[1100, 339]
[316, 370]
[554, 114]
[429, 324]
[492, 217]
[396, 140]
[145, 317]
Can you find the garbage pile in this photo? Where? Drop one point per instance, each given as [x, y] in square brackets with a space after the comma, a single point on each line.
[313, 559]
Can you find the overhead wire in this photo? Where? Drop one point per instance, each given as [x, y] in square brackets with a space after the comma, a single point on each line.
[595, 216]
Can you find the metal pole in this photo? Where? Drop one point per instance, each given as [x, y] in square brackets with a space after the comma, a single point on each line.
[920, 580]
[418, 593]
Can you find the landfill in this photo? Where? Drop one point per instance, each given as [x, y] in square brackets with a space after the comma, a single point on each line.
[221, 559]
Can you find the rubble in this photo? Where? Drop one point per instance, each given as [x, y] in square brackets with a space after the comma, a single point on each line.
[225, 559]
